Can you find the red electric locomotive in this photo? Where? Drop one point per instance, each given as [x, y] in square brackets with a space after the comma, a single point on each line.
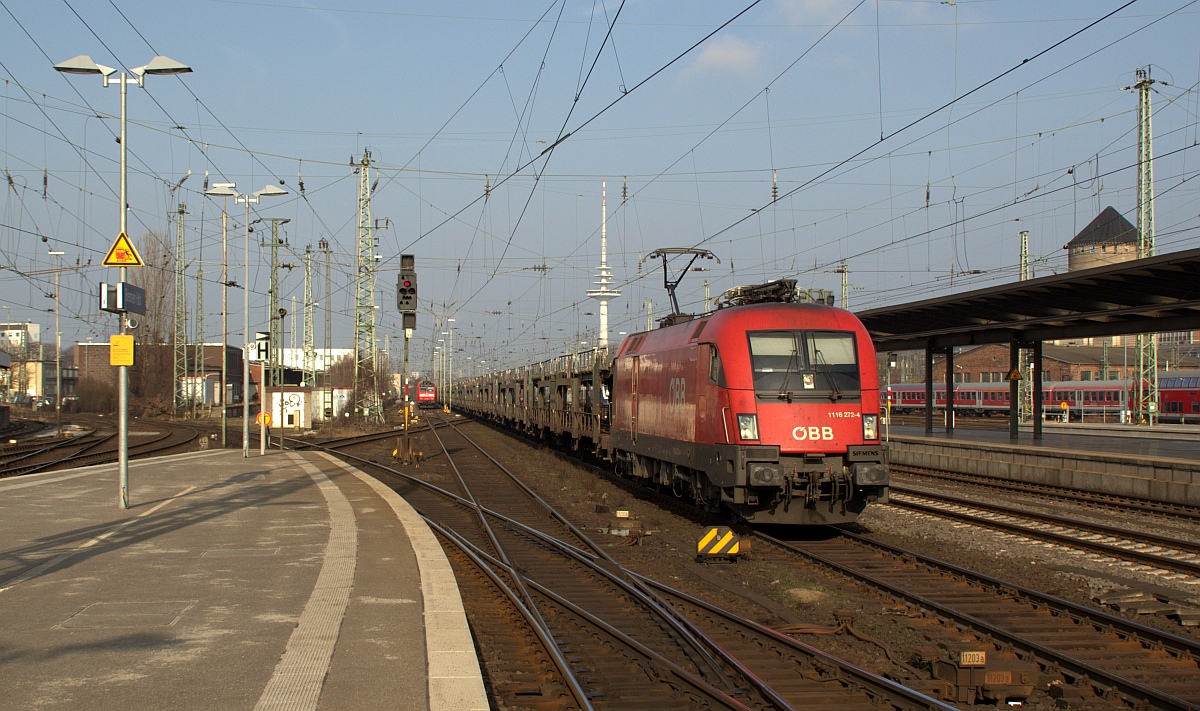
[768, 410]
[426, 394]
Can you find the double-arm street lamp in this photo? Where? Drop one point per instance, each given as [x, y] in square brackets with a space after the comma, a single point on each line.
[227, 190]
[83, 64]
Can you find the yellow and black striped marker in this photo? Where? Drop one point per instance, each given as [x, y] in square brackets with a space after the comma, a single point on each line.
[718, 543]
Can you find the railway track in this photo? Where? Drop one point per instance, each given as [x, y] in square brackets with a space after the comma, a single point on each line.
[94, 447]
[1160, 555]
[20, 430]
[1089, 658]
[1088, 655]
[626, 642]
[12, 455]
[1058, 494]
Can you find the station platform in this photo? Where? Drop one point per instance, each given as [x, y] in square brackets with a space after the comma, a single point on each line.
[1150, 464]
[1166, 442]
[290, 580]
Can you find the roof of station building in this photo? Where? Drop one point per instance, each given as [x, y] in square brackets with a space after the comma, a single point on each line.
[1152, 295]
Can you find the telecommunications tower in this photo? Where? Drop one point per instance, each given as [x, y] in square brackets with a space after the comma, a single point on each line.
[602, 292]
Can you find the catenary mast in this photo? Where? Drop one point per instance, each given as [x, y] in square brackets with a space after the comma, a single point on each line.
[310, 351]
[1146, 386]
[366, 392]
[181, 335]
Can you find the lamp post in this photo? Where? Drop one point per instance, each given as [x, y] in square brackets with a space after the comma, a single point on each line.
[282, 379]
[450, 394]
[8, 324]
[58, 269]
[83, 64]
[227, 190]
[437, 368]
[224, 190]
[57, 347]
[442, 368]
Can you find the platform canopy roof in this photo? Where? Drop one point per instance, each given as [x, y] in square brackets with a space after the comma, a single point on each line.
[1152, 295]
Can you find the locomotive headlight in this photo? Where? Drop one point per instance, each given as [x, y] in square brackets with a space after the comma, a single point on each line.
[870, 426]
[748, 426]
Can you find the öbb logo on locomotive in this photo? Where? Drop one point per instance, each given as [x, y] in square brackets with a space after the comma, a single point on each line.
[802, 433]
[678, 393]
[718, 408]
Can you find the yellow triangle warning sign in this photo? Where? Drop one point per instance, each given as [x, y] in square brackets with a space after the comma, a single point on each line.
[122, 253]
[1015, 375]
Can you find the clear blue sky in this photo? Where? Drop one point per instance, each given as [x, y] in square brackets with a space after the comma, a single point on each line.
[451, 97]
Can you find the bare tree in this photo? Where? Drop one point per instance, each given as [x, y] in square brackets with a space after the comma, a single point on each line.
[341, 373]
[158, 279]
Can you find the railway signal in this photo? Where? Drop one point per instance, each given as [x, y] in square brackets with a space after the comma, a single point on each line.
[406, 286]
[406, 302]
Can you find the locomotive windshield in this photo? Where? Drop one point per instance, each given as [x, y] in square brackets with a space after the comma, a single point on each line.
[804, 364]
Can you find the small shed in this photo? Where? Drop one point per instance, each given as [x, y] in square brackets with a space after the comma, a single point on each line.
[290, 407]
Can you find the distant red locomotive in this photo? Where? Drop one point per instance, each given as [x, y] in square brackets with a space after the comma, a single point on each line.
[768, 411]
[426, 394]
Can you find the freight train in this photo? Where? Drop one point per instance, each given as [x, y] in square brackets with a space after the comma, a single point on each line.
[768, 412]
[1178, 391]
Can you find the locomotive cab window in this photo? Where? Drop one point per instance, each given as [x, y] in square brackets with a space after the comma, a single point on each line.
[804, 364]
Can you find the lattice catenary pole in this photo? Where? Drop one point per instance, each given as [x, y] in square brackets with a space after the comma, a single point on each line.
[366, 395]
[1146, 385]
[310, 352]
[180, 371]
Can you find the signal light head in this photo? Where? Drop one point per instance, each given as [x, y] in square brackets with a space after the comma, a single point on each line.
[406, 291]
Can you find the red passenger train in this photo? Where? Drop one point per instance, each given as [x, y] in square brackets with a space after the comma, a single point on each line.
[1178, 391]
[768, 411]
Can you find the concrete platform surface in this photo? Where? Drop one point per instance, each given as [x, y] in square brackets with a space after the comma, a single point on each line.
[290, 581]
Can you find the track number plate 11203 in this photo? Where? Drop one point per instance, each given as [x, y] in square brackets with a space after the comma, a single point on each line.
[998, 678]
[972, 659]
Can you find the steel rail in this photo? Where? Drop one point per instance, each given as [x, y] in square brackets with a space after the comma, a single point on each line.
[668, 615]
[534, 620]
[1047, 654]
[584, 554]
[651, 655]
[539, 622]
[1129, 503]
[1108, 549]
[880, 684]
[859, 674]
[699, 643]
[683, 625]
[30, 450]
[82, 455]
